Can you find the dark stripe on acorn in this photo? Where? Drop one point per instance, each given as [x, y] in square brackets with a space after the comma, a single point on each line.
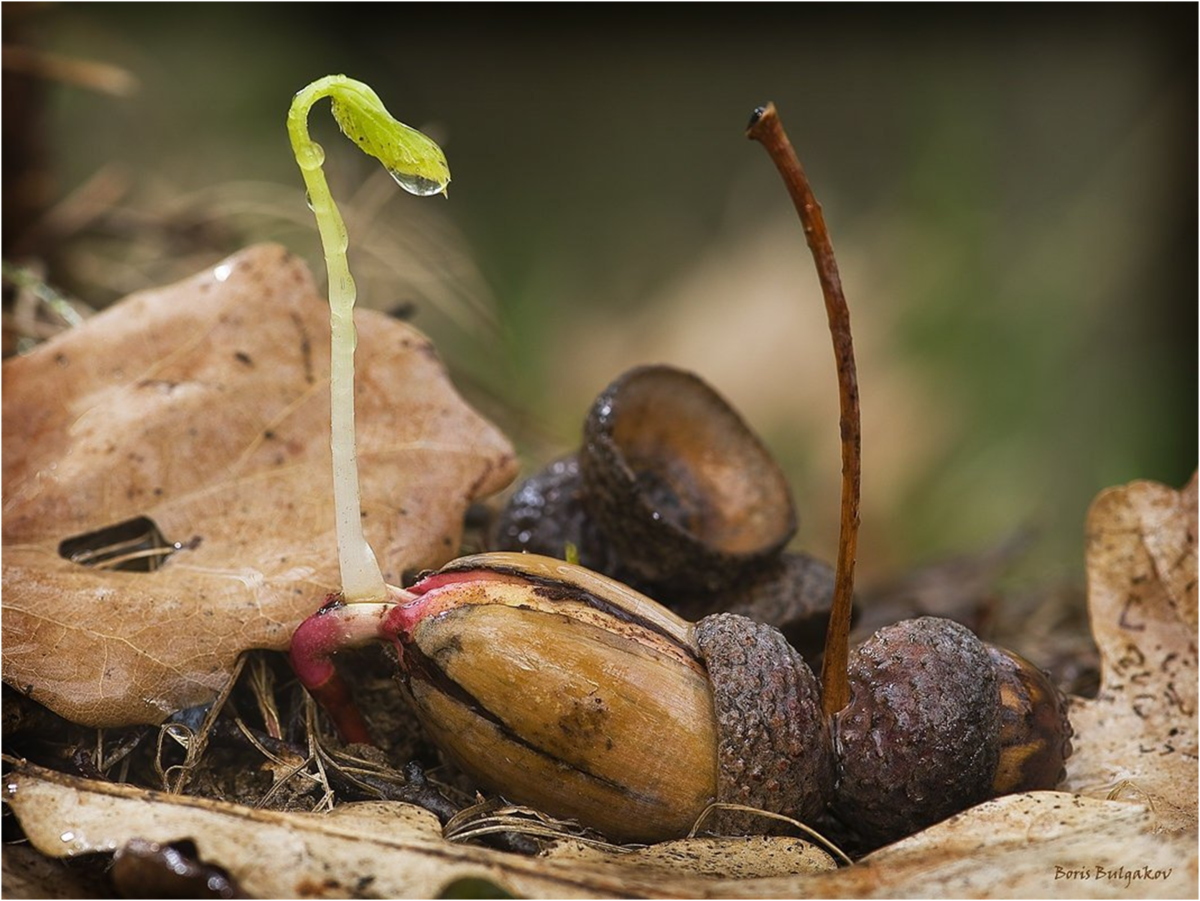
[559, 590]
[421, 667]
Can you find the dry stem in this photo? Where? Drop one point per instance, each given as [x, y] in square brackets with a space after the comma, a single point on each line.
[766, 128]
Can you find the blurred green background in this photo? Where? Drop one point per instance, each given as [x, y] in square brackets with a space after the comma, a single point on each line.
[1011, 191]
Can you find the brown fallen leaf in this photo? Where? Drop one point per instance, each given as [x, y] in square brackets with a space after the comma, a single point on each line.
[204, 407]
[1045, 844]
[374, 849]
[1137, 739]
[1037, 845]
[750, 857]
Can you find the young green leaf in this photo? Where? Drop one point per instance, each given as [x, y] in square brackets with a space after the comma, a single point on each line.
[416, 162]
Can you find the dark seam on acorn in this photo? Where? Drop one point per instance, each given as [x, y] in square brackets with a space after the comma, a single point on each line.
[420, 665]
[556, 591]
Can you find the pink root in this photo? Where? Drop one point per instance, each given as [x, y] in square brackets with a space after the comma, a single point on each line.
[335, 627]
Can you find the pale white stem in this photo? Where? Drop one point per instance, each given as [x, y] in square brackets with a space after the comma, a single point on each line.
[362, 579]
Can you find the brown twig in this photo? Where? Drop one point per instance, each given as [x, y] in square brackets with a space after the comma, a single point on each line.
[766, 128]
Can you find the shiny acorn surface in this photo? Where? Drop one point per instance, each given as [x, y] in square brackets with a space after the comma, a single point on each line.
[552, 685]
[918, 740]
[548, 513]
[544, 681]
[1035, 731]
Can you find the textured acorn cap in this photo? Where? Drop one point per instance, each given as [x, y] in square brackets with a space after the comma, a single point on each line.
[919, 739]
[1035, 731]
[682, 488]
[773, 748]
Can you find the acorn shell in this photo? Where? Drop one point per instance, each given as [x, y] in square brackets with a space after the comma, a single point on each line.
[686, 493]
[561, 688]
[919, 739]
[567, 692]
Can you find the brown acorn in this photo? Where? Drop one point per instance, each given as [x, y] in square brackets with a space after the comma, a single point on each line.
[918, 740]
[939, 721]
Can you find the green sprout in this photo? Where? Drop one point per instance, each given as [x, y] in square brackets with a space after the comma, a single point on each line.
[419, 166]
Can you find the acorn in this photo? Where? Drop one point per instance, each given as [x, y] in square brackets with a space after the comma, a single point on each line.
[939, 721]
[566, 690]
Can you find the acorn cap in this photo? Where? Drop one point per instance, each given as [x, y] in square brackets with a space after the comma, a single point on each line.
[773, 748]
[919, 739]
[1035, 732]
[682, 488]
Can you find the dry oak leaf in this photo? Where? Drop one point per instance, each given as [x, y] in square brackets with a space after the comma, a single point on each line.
[1034, 845]
[370, 849]
[204, 406]
[1136, 740]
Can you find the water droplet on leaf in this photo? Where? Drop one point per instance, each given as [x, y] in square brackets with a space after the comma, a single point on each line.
[418, 184]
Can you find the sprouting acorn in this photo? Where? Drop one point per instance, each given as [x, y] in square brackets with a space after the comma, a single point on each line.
[566, 690]
[926, 719]
[552, 684]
